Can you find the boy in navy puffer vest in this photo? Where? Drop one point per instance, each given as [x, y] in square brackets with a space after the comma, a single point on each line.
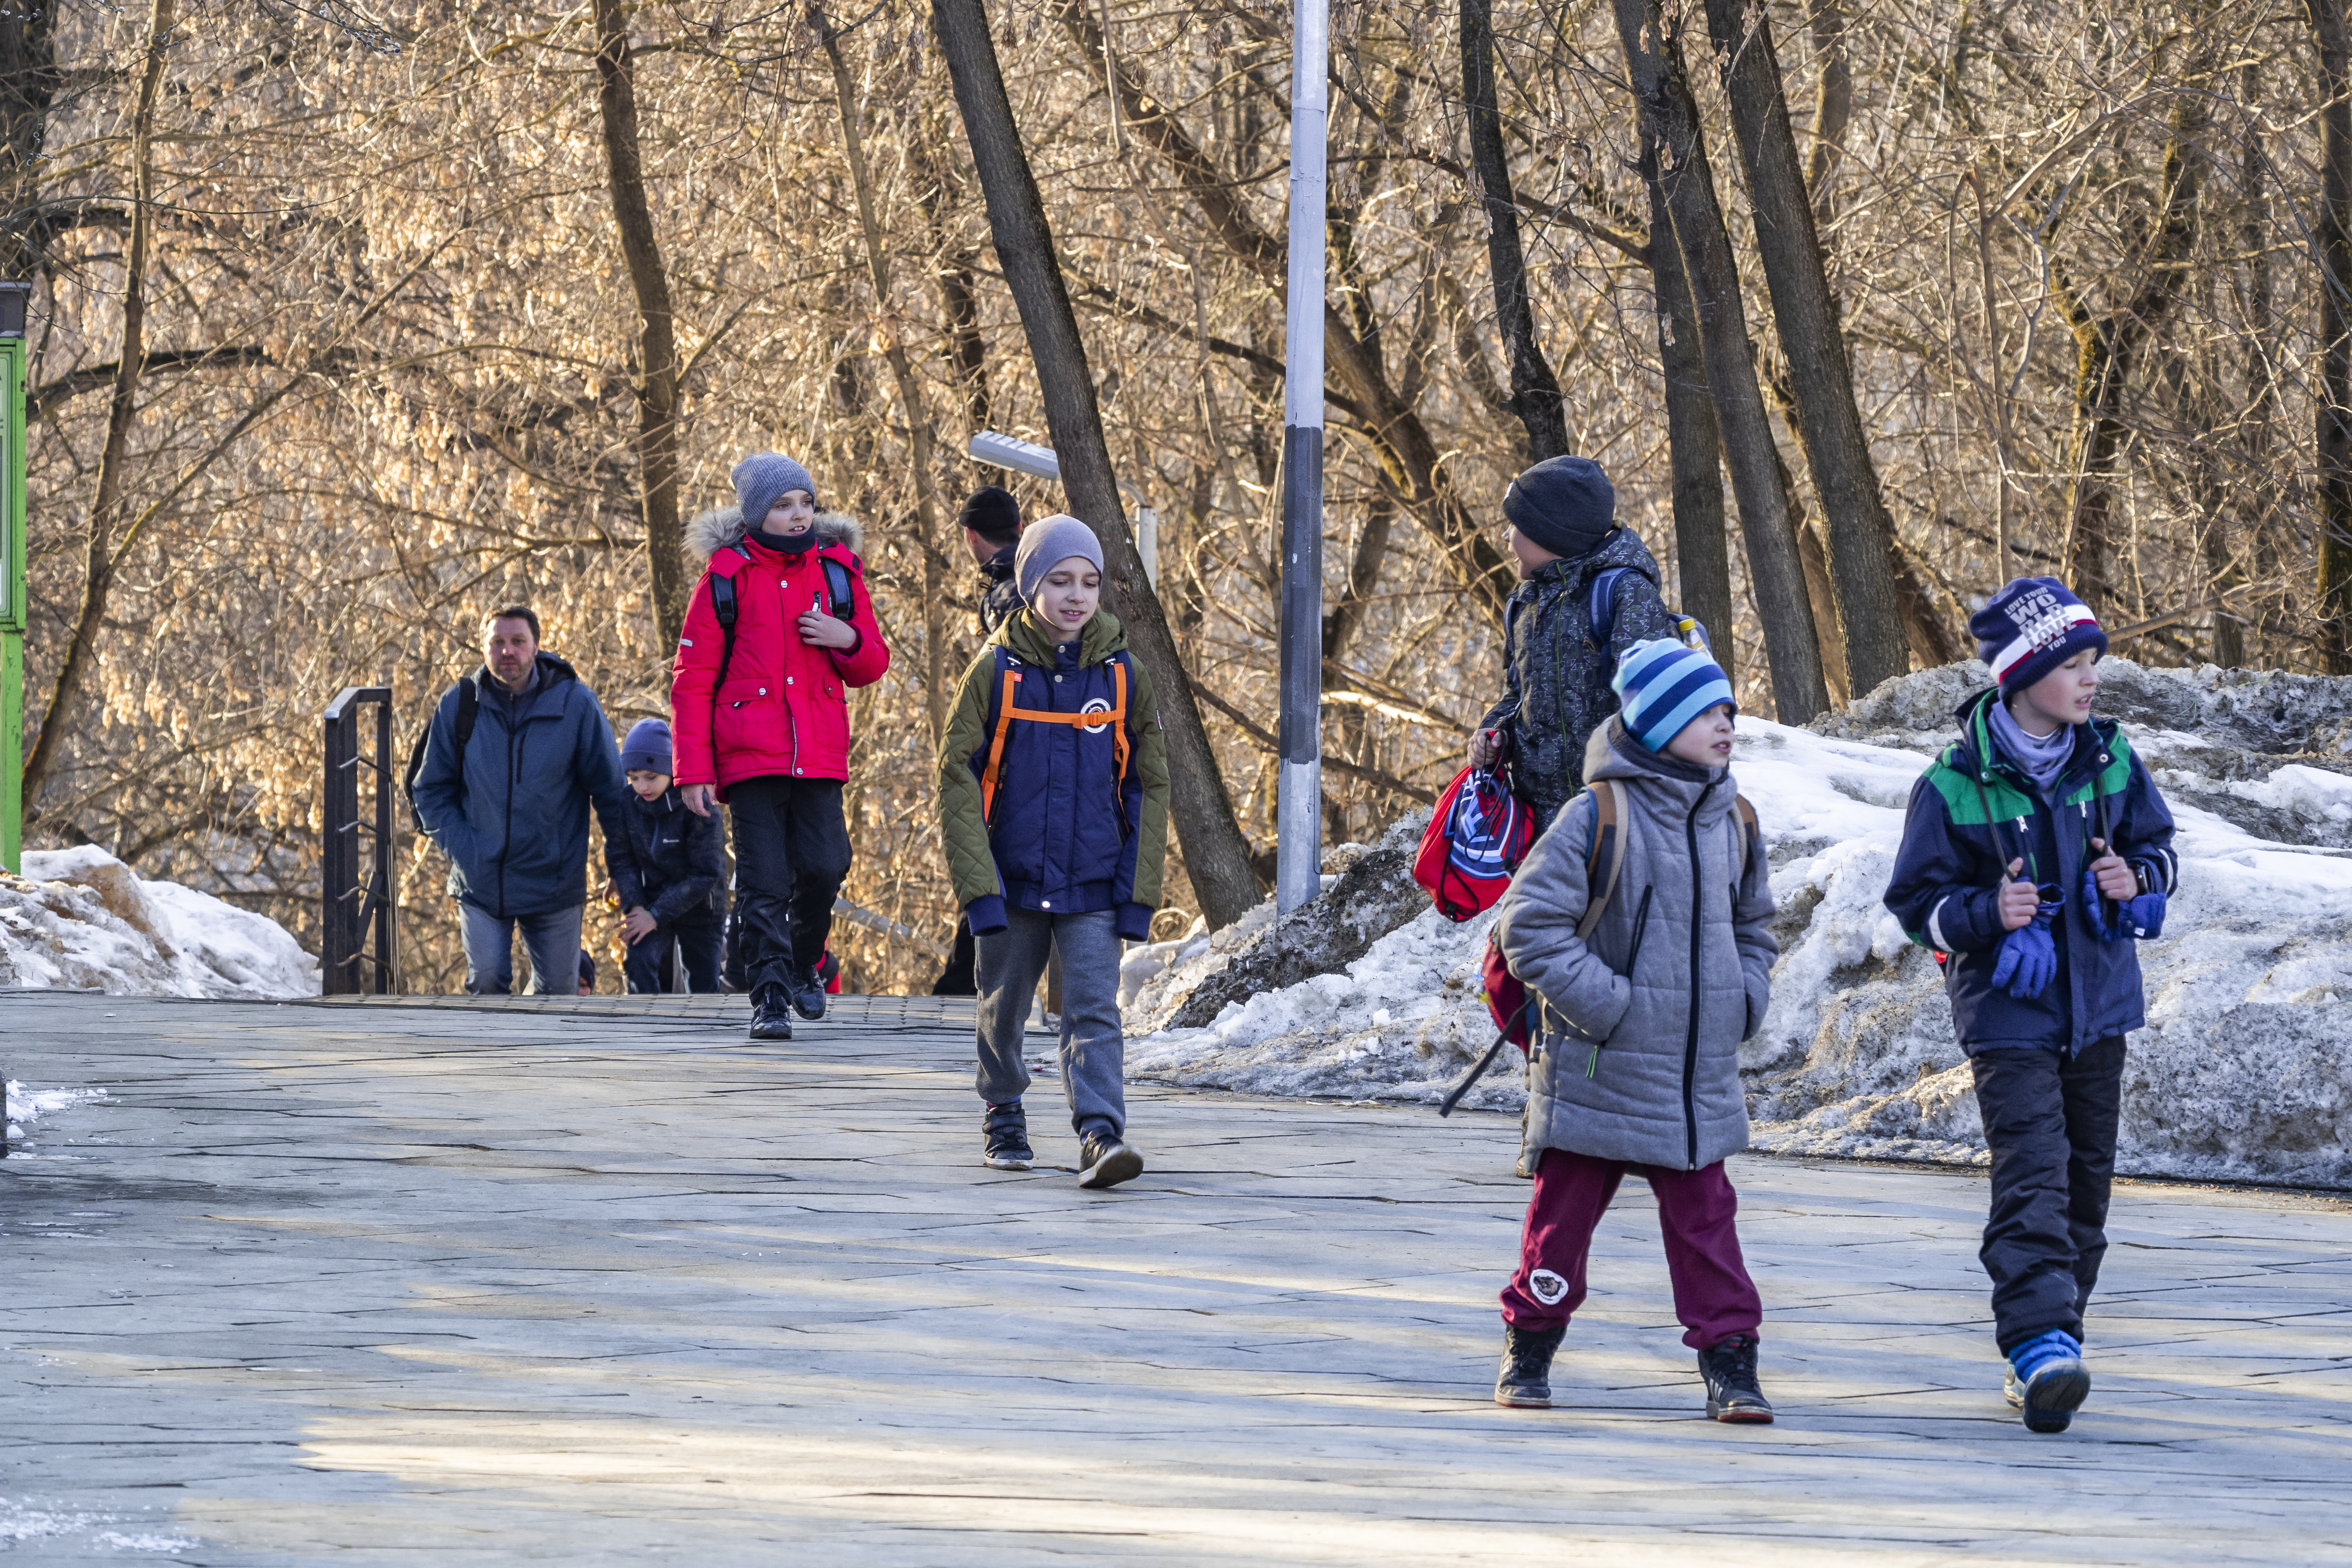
[2035, 854]
[1053, 813]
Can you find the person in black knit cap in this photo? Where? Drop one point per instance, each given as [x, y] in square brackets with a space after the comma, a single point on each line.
[991, 532]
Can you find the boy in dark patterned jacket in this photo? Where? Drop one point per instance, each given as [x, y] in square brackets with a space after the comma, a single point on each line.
[1564, 534]
[2035, 854]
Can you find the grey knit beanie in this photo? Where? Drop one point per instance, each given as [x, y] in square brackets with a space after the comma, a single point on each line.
[763, 476]
[1046, 543]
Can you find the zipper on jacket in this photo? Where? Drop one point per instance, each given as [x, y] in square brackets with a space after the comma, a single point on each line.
[1699, 930]
[1633, 957]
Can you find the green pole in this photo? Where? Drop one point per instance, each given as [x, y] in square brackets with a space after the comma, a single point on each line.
[13, 299]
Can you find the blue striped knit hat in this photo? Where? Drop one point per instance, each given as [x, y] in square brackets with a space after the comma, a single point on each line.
[1663, 684]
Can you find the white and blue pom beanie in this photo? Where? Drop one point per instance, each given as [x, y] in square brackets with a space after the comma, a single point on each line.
[2030, 629]
[1663, 684]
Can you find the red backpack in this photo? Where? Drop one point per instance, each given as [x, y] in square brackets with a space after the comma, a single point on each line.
[1475, 838]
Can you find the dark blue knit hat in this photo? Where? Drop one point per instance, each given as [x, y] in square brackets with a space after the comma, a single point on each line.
[647, 747]
[761, 478]
[1564, 504]
[2031, 628]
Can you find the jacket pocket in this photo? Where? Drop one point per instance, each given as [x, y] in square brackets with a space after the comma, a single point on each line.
[1633, 957]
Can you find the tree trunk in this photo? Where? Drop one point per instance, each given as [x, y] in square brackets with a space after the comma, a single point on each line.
[1832, 108]
[1535, 390]
[1216, 855]
[2335, 403]
[1693, 448]
[656, 343]
[2255, 498]
[1819, 593]
[2107, 349]
[910, 391]
[107, 503]
[1776, 576]
[28, 86]
[1861, 540]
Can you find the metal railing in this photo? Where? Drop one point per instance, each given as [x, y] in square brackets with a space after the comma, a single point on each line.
[347, 909]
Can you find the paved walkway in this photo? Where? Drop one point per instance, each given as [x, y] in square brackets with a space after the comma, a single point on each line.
[573, 1284]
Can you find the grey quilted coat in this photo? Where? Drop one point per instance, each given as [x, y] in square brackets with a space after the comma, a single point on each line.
[1637, 1052]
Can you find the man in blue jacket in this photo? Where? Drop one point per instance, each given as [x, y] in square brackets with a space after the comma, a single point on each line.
[516, 754]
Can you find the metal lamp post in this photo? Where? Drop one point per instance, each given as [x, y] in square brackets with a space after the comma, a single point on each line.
[14, 298]
[1299, 804]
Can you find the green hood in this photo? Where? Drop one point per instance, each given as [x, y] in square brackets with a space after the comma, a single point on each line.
[1030, 637]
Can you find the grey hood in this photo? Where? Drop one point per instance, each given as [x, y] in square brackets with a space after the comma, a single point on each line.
[1637, 1055]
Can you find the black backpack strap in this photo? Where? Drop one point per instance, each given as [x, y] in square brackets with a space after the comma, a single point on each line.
[470, 709]
[837, 590]
[723, 604]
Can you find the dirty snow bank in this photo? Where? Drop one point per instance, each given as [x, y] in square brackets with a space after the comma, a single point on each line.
[2245, 1071]
[80, 918]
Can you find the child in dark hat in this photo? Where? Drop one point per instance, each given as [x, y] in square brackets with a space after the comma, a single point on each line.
[1564, 534]
[673, 877]
[2036, 853]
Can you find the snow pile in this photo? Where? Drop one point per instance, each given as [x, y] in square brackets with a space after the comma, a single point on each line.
[27, 1106]
[2244, 1072]
[80, 918]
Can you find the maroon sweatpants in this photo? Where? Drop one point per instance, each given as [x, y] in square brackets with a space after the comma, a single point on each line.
[1713, 1295]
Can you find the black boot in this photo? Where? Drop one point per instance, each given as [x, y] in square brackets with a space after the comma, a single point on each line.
[1524, 1383]
[771, 1016]
[808, 996]
[1105, 1161]
[1732, 1393]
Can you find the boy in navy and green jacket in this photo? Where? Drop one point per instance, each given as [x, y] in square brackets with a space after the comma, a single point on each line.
[2035, 855]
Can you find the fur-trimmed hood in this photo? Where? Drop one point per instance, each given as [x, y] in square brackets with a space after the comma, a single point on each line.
[714, 530]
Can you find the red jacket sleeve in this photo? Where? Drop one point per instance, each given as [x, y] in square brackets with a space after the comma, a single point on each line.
[863, 664]
[692, 677]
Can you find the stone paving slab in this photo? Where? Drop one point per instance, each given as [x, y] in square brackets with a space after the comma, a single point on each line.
[596, 1284]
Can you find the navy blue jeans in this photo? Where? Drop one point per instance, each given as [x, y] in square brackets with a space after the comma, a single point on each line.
[647, 962]
[552, 941]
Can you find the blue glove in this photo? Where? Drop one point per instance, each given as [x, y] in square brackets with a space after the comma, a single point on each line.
[2028, 957]
[2141, 917]
[2144, 916]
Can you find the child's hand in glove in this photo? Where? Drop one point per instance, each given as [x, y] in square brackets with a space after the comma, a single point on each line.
[2028, 957]
[2109, 879]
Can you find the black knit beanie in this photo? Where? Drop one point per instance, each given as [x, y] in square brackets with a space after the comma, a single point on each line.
[1564, 504]
[992, 514]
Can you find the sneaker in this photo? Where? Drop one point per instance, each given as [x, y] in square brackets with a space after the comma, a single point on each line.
[2046, 1380]
[1105, 1162]
[770, 1021]
[1732, 1393]
[1007, 1126]
[1524, 1381]
[808, 997]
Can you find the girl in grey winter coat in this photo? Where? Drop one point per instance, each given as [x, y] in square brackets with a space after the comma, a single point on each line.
[1635, 1060]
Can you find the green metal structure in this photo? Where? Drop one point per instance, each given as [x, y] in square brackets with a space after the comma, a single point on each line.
[13, 299]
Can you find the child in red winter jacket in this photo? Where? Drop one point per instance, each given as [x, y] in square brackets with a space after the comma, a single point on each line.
[778, 631]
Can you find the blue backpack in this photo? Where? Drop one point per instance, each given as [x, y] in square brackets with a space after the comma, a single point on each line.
[1600, 613]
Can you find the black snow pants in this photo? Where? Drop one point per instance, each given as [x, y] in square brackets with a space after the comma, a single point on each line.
[2050, 1122]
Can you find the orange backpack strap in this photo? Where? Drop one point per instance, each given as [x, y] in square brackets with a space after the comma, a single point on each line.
[1609, 842]
[1004, 711]
[1119, 717]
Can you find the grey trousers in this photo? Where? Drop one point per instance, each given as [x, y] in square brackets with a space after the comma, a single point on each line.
[1094, 1050]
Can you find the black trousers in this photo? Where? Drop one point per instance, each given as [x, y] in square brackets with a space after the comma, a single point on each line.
[2050, 1122]
[791, 851]
[646, 964]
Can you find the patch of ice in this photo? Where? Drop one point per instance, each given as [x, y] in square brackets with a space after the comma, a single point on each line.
[2243, 1072]
[80, 918]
